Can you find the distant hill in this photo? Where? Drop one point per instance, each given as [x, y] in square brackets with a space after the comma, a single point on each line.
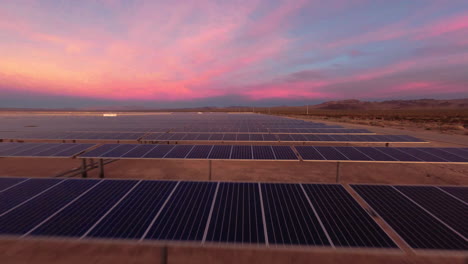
[393, 104]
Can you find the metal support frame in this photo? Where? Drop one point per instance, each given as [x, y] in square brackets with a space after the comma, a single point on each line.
[101, 168]
[338, 166]
[209, 170]
[84, 170]
[164, 255]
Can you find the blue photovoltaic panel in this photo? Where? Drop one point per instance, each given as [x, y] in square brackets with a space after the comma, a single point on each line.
[263, 152]
[74, 150]
[179, 152]
[158, 152]
[119, 151]
[220, 152]
[99, 150]
[53, 150]
[216, 137]
[457, 151]
[346, 222]
[191, 136]
[237, 215]
[42, 207]
[186, 214]
[451, 211]
[418, 228]
[284, 137]
[353, 154]
[330, 153]
[422, 155]
[139, 151]
[444, 154]
[397, 154]
[200, 152]
[230, 137]
[177, 136]
[243, 137]
[457, 191]
[309, 153]
[241, 152]
[13, 197]
[375, 154]
[204, 137]
[31, 152]
[284, 153]
[19, 148]
[9, 182]
[269, 137]
[131, 217]
[289, 218]
[256, 137]
[77, 218]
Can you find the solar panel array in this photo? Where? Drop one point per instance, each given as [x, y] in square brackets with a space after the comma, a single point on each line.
[71, 135]
[280, 137]
[275, 215]
[184, 122]
[426, 217]
[57, 150]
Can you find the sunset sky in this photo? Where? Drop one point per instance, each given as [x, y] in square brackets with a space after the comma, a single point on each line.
[92, 53]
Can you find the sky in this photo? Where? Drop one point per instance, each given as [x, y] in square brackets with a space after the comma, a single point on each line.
[160, 54]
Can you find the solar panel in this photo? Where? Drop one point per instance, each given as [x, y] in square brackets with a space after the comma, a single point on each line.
[330, 153]
[220, 152]
[119, 151]
[179, 152]
[422, 155]
[216, 137]
[284, 153]
[457, 151]
[230, 137]
[353, 154]
[237, 216]
[397, 154]
[289, 218]
[158, 152]
[6, 183]
[99, 150]
[78, 217]
[73, 151]
[200, 152]
[347, 223]
[418, 228]
[375, 154]
[130, 218]
[450, 211]
[444, 154]
[186, 213]
[138, 151]
[243, 137]
[241, 152]
[458, 192]
[33, 151]
[309, 153]
[43, 206]
[263, 152]
[21, 193]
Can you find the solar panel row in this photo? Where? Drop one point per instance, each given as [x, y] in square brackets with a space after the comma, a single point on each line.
[142, 151]
[202, 212]
[280, 137]
[58, 150]
[307, 153]
[72, 135]
[387, 154]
